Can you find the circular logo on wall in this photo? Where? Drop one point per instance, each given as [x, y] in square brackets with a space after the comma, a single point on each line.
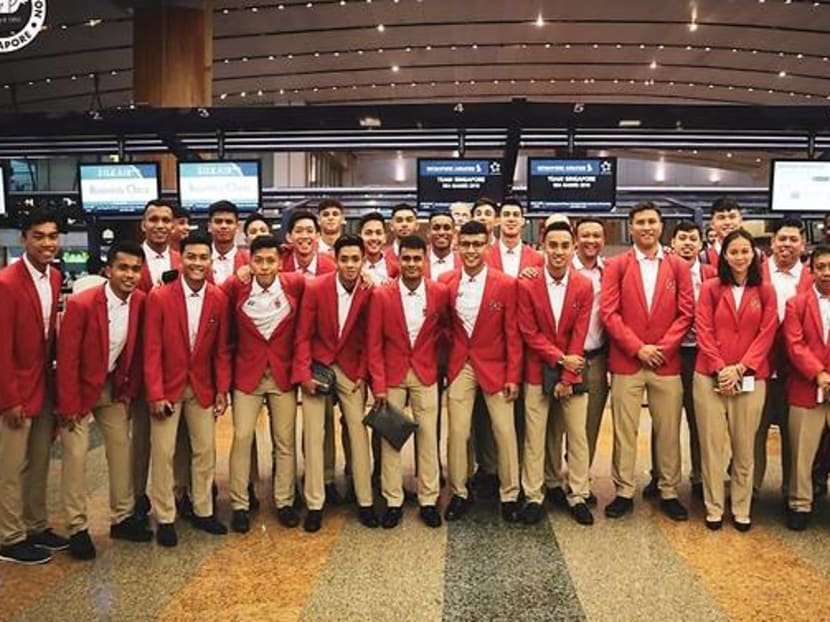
[20, 22]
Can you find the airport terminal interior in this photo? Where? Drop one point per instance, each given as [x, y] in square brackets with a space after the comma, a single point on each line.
[585, 109]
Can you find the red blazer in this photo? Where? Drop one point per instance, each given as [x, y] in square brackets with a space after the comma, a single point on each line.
[393, 266]
[145, 283]
[325, 264]
[252, 353]
[546, 341]
[726, 335]
[495, 347]
[83, 352]
[24, 353]
[169, 366]
[241, 258]
[808, 354]
[317, 338]
[390, 352]
[628, 322]
[453, 257]
[530, 258]
[707, 271]
[713, 257]
[778, 353]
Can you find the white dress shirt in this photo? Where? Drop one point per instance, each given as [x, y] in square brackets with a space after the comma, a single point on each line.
[737, 295]
[157, 263]
[43, 286]
[118, 316]
[344, 304]
[648, 271]
[223, 265]
[556, 295]
[310, 269]
[785, 283]
[414, 308]
[267, 308]
[511, 258]
[468, 302]
[440, 265]
[595, 338]
[322, 247]
[194, 301]
[824, 310]
[379, 269]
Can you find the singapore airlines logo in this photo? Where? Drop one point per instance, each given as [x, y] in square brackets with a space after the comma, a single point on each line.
[20, 23]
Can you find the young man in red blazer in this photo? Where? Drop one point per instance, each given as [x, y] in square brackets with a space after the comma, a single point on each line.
[380, 264]
[725, 217]
[407, 323]
[264, 313]
[441, 257]
[647, 307]
[788, 276]
[330, 216]
[402, 223]
[223, 223]
[331, 331]
[554, 313]
[509, 254]
[29, 290]
[485, 352]
[806, 333]
[187, 373]
[98, 373]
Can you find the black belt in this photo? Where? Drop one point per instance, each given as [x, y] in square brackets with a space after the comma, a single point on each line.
[603, 349]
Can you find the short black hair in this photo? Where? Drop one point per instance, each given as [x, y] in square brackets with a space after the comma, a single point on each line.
[171, 205]
[412, 241]
[818, 251]
[511, 200]
[438, 213]
[40, 216]
[302, 214]
[252, 218]
[754, 277]
[329, 203]
[687, 226]
[126, 247]
[724, 204]
[180, 211]
[223, 206]
[644, 206]
[587, 220]
[264, 241]
[196, 239]
[472, 227]
[404, 207]
[369, 217]
[558, 225]
[789, 221]
[485, 201]
[349, 240]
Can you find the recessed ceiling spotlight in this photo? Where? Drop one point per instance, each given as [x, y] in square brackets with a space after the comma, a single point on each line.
[381, 27]
[540, 21]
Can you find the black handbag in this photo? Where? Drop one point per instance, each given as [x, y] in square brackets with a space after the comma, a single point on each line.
[391, 424]
[324, 377]
[552, 375]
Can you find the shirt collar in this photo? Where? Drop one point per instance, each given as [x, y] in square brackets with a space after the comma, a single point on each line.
[478, 278]
[550, 280]
[419, 291]
[257, 289]
[112, 299]
[795, 270]
[188, 293]
[578, 265]
[149, 253]
[231, 254]
[312, 265]
[36, 274]
[640, 255]
[516, 250]
[695, 267]
[342, 292]
[433, 258]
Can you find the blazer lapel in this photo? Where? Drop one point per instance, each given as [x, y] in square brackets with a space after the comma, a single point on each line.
[542, 292]
[815, 314]
[181, 308]
[567, 305]
[665, 275]
[132, 330]
[429, 292]
[244, 294]
[634, 267]
[204, 319]
[357, 301]
[485, 300]
[31, 293]
[400, 313]
[102, 319]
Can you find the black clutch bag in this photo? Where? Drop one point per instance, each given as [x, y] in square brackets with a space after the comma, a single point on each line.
[324, 377]
[391, 424]
[552, 375]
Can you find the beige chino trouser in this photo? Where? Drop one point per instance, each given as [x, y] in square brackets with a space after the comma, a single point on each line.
[806, 426]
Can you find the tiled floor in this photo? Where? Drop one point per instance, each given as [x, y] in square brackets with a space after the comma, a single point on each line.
[643, 567]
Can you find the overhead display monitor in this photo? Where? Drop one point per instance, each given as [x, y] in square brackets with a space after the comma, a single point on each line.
[571, 185]
[112, 189]
[800, 185]
[444, 182]
[203, 183]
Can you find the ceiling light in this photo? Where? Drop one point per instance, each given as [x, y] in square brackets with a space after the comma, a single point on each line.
[653, 65]
[381, 27]
[93, 22]
[782, 74]
[539, 21]
[630, 123]
[395, 68]
[692, 26]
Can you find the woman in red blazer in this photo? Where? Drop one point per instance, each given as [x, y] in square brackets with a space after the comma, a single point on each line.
[736, 320]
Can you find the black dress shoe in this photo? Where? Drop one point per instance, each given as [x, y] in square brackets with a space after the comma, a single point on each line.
[797, 521]
[391, 518]
[209, 524]
[184, 507]
[592, 499]
[714, 525]
[557, 498]
[457, 508]
[288, 517]
[651, 490]
[532, 513]
[430, 515]
[332, 495]
[166, 535]
[619, 507]
[697, 491]
[742, 527]
[241, 522]
[582, 514]
[131, 529]
[81, 546]
[367, 517]
[48, 539]
[510, 511]
[253, 501]
[24, 554]
[674, 509]
[313, 521]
